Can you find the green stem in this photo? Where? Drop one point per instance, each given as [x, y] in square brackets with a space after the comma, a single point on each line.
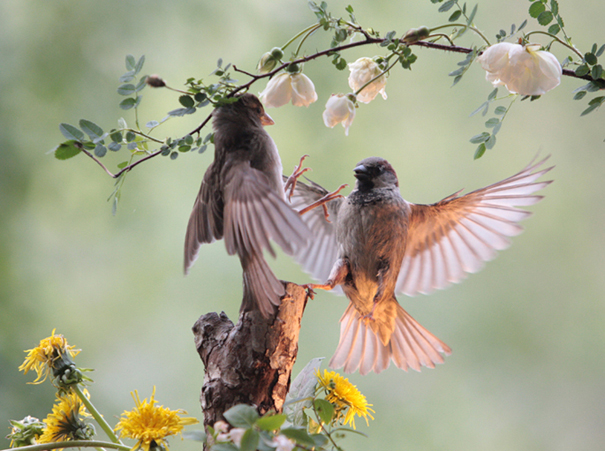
[306, 30]
[461, 25]
[140, 133]
[72, 444]
[313, 30]
[97, 416]
[570, 47]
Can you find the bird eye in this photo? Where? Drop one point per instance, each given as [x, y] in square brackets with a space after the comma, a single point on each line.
[259, 110]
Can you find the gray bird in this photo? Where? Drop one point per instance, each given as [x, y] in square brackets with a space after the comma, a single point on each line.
[377, 244]
[242, 200]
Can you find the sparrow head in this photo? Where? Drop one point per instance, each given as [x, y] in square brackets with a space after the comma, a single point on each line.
[246, 111]
[375, 172]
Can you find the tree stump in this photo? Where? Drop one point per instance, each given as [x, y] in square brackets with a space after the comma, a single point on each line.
[249, 362]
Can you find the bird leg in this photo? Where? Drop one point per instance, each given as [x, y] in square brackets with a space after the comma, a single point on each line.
[338, 274]
[323, 201]
[291, 182]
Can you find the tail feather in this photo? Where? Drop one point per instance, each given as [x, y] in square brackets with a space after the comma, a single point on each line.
[262, 290]
[410, 345]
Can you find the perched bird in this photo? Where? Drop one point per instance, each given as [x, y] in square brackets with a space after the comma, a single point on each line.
[377, 244]
[242, 199]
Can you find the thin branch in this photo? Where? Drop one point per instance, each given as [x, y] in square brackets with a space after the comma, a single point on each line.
[254, 78]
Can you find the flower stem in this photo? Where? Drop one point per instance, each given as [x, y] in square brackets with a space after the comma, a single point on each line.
[73, 444]
[313, 30]
[298, 35]
[570, 47]
[476, 30]
[97, 416]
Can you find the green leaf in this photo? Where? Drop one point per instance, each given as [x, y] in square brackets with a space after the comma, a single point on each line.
[114, 146]
[590, 58]
[582, 70]
[141, 84]
[123, 164]
[472, 15]
[554, 7]
[188, 140]
[249, 441]
[579, 95]
[447, 6]
[139, 65]
[196, 436]
[126, 90]
[71, 132]
[66, 150]
[100, 150]
[484, 106]
[480, 138]
[128, 103]
[601, 50]
[186, 101]
[184, 148]
[479, 152]
[130, 62]
[181, 112]
[224, 447]
[536, 9]
[202, 149]
[320, 440]
[241, 416]
[492, 95]
[302, 388]
[590, 109]
[342, 64]
[271, 422]
[491, 142]
[522, 26]
[91, 129]
[127, 77]
[500, 110]
[130, 136]
[299, 435]
[554, 29]
[116, 136]
[455, 16]
[545, 18]
[324, 409]
[492, 122]
[174, 155]
[597, 71]
[152, 124]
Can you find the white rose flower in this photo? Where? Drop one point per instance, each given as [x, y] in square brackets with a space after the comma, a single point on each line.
[286, 87]
[283, 443]
[362, 71]
[236, 435]
[339, 108]
[524, 70]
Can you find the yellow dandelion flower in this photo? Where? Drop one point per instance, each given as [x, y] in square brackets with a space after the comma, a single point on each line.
[150, 424]
[345, 397]
[66, 421]
[43, 357]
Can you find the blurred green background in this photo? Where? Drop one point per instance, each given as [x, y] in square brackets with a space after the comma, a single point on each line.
[528, 367]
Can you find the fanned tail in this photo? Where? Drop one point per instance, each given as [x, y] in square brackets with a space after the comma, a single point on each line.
[410, 345]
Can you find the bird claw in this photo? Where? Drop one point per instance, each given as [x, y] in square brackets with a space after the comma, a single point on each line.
[309, 289]
[323, 201]
[291, 182]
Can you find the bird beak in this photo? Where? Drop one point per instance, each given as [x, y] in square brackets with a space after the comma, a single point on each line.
[265, 119]
[361, 171]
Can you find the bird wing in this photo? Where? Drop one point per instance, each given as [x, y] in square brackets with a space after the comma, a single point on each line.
[321, 252]
[254, 213]
[457, 235]
[206, 219]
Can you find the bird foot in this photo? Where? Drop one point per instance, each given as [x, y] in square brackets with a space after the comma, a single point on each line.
[309, 289]
[323, 201]
[291, 182]
[368, 318]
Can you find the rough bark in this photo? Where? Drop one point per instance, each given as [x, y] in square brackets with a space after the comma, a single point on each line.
[249, 362]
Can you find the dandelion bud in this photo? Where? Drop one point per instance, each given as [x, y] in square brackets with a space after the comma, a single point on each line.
[155, 81]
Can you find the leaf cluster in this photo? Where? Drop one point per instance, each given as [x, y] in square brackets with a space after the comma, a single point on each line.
[590, 66]
[545, 12]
